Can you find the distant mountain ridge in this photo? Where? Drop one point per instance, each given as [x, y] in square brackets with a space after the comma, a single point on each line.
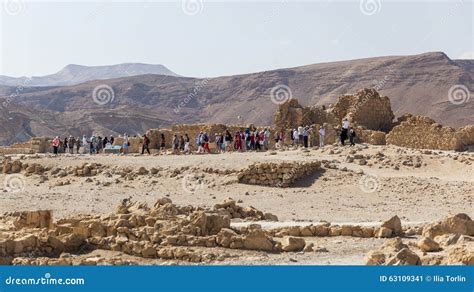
[418, 84]
[75, 74]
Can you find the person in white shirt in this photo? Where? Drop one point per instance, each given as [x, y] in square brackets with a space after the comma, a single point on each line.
[345, 123]
[125, 144]
[322, 134]
[300, 133]
[296, 137]
[344, 130]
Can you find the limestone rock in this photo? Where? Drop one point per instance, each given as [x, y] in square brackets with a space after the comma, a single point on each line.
[290, 243]
[428, 244]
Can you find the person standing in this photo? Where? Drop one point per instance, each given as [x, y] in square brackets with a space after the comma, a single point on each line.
[78, 144]
[187, 148]
[228, 141]
[344, 131]
[305, 136]
[266, 138]
[126, 143]
[296, 137]
[70, 145]
[322, 135]
[105, 142]
[146, 144]
[238, 141]
[163, 142]
[56, 142]
[300, 134]
[206, 142]
[84, 144]
[65, 145]
[352, 135]
[175, 143]
[199, 142]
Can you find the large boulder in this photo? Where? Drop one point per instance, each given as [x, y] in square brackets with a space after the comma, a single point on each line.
[458, 224]
[427, 244]
[405, 257]
[395, 225]
[257, 239]
[290, 243]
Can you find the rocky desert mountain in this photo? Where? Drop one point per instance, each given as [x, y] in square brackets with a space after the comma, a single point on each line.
[417, 84]
[76, 74]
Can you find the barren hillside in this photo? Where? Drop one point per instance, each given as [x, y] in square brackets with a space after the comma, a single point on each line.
[417, 84]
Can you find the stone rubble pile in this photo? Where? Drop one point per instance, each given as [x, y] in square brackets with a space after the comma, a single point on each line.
[89, 169]
[446, 242]
[163, 231]
[10, 166]
[283, 174]
[234, 211]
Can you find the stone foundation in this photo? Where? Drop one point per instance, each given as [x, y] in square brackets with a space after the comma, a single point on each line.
[281, 175]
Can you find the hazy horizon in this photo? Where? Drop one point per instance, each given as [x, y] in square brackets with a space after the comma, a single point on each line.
[252, 36]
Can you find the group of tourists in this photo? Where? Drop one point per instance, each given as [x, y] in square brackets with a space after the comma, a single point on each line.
[250, 139]
[347, 132]
[71, 145]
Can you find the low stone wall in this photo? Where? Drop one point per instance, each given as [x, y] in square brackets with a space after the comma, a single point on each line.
[282, 174]
[424, 133]
[370, 137]
[35, 145]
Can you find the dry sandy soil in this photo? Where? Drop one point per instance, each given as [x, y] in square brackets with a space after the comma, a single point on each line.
[418, 186]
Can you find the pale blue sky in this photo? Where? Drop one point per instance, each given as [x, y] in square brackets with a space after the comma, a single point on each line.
[223, 38]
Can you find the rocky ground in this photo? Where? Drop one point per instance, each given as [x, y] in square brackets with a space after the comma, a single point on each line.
[359, 187]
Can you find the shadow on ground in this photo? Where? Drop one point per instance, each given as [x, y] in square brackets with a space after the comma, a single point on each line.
[309, 180]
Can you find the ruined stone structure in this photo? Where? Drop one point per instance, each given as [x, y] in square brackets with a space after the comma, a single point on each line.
[365, 108]
[424, 133]
[369, 113]
[466, 135]
[35, 145]
[281, 175]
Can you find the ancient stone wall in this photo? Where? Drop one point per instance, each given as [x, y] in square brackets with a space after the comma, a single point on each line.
[281, 175]
[289, 115]
[370, 136]
[466, 135]
[366, 108]
[35, 145]
[424, 133]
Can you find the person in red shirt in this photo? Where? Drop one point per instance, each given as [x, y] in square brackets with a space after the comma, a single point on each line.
[56, 143]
